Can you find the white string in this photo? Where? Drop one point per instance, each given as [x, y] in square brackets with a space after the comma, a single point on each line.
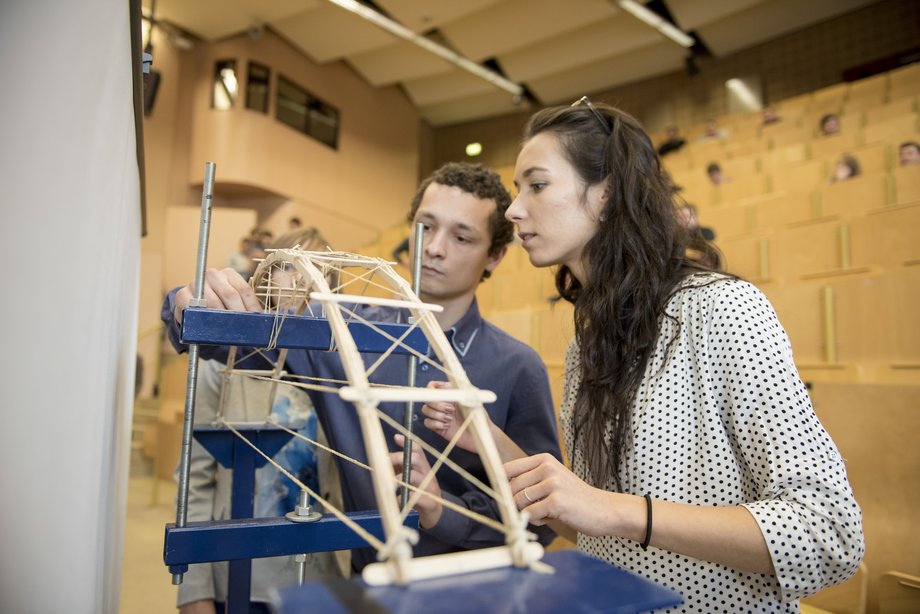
[354, 526]
[396, 342]
[490, 522]
[437, 454]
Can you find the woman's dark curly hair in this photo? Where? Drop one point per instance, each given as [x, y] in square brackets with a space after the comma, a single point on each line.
[634, 264]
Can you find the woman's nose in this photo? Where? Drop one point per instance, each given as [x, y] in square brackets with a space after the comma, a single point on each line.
[515, 211]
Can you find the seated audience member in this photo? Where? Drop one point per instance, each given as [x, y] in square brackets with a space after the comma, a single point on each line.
[688, 216]
[712, 131]
[768, 116]
[673, 143]
[716, 176]
[846, 167]
[909, 153]
[205, 587]
[241, 260]
[400, 253]
[830, 124]
[698, 247]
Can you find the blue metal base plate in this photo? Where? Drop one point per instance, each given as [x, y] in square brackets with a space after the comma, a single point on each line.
[581, 584]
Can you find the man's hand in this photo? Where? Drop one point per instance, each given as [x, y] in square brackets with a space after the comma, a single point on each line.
[445, 419]
[223, 289]
[429, 510]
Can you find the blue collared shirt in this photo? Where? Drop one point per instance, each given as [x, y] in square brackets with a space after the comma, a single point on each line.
[492, 359]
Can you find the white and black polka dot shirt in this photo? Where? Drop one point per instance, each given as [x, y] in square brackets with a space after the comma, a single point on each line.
[724, 419]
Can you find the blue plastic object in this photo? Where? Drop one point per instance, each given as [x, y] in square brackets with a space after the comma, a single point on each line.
[581, 584]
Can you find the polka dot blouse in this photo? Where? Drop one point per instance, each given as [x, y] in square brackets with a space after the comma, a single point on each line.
[722, 418]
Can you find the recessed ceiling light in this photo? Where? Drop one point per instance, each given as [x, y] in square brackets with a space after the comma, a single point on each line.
[473, 149]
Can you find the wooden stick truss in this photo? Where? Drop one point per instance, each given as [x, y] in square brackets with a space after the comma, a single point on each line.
[332, 285]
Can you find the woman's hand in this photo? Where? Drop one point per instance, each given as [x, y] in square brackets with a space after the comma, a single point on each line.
[548, 491]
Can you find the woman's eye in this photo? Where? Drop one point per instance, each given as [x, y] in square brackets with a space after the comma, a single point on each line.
[463, 240]
[537, 187]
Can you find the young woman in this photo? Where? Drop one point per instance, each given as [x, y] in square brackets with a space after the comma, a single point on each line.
[696, 458]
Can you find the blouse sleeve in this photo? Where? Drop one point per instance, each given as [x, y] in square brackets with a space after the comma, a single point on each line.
[801, 498]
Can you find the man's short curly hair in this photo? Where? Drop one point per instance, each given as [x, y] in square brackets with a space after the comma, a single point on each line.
[481, 182]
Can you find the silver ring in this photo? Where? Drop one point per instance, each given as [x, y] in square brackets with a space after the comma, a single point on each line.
[526, 496]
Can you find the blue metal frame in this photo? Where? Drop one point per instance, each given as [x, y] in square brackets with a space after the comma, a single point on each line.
[249, 329]
[245, 538]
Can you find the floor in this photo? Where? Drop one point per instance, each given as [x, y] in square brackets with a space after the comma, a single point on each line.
[146, 586]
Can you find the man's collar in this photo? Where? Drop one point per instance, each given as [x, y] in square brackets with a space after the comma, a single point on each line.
[462, 334]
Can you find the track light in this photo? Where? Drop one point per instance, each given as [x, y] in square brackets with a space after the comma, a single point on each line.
[406, 34]
[643, 14]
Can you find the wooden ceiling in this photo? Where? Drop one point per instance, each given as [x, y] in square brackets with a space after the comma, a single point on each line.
[558, 49]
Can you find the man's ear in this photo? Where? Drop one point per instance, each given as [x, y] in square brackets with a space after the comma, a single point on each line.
[496, 258]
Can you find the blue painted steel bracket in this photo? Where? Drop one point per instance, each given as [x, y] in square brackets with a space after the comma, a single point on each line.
[220, 442]
[229, 540]
[250, 329]
[580, 584]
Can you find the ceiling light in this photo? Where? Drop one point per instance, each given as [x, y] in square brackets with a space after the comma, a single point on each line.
[643, 14]
[406, 34]
[473, 149]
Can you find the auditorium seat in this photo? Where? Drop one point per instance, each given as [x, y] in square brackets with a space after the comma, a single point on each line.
[875, 321]
[874, 428]
[801, 177]
[783, 155]
[746, 256]
[515, 289]
[899, 593]
[784, 208]
[893, 130]
[867, 93]
[794, 106]
[800, 308]
[823, 147]
[741, 167]
[881, 113]
[855, 196]
[888, 237]
[781, 136]
[704, 152]
[830, 97]
[740, 187]
[516, 322]
[906, 184]
[874, 158]
[753, 146]
[904, 82]
[554, 328]
[809, 249]
[732, 220]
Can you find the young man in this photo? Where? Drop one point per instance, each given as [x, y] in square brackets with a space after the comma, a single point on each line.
[462, 208]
